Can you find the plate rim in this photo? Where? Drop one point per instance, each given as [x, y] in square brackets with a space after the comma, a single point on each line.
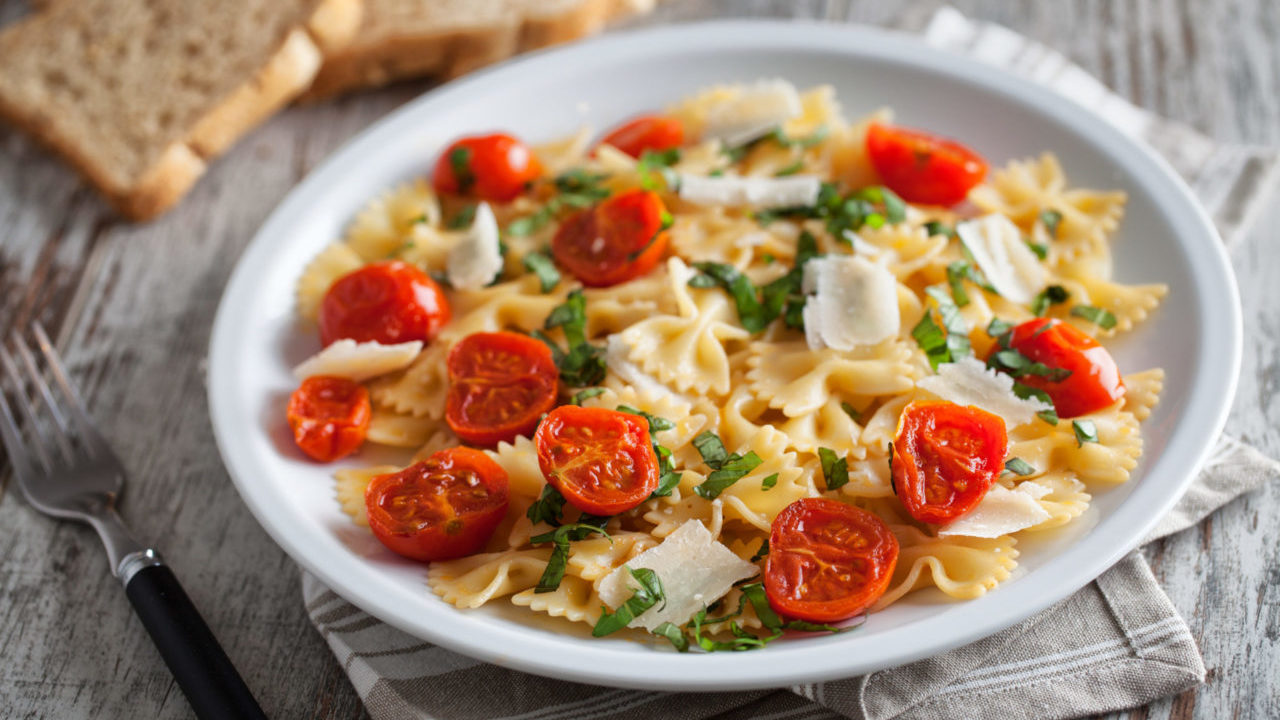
[740, 671]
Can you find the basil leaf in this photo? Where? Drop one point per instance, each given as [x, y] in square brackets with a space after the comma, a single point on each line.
[587, 394]
[559, 560]
[674, 634]
[1052, 295]
[1041, 251]
[531, 224]
[1018, 365]
[657, 164]
[711, 448]
[548, 507]
[956, 273]
[668, 478]
[649, 593]
[791, 169]
[584, 363]
[754, 593]
[542, 266]
[1085, 430]
[1026, 391]
[806, 626]
[767, 484]
[957, 337]
[851, 411]
[464, 218]
[460, 163]
[932, 340]
[998, 327]
[1018, 466]
[933, 227]
[1103, 318]
[893, 482]
[727, 474]
[751, 313]
[1051, 220]
[818, 135]
[835, 469]
[656, 424]
[763, 552]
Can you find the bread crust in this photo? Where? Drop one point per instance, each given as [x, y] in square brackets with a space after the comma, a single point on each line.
[371, 61]
[286, 74]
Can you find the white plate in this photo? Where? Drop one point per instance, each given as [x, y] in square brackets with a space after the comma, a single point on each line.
[1165, 237]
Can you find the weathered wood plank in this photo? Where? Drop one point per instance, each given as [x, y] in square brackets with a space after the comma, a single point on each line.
[132, 307]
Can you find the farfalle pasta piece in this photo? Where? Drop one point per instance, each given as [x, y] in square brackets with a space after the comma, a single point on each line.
[419, 390]
[902, 248]
[439, 439]
[667, 517]
[1130, 304]
[520, 459]
[748, 500]
[513, 305]
[1066, 500]
[387, 222]
[349, 485]
[830, 426]
[472, 581]
[387, 427]
[575, 599]
[797, 380]
[714, 235]
[324, 269]
[1109, 460]
[596, 556]
[961, 567]
[1142, 392]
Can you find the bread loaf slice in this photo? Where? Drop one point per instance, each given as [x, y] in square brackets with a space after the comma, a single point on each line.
[139, 95]
[408, 38]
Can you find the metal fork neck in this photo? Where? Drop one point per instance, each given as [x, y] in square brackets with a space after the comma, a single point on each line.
[124, 551]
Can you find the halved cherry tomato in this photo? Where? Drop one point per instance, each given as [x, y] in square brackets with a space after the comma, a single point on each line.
[923, 167]
[945, 458]
[499, 385]
[329, 416]
[389, 302]
[491, 167]
[619, 239]
[647, 132]
[828, 561]
[1094, 382]
[601, 460]
[444, 507]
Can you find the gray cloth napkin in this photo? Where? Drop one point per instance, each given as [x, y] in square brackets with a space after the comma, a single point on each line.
[1117, 643]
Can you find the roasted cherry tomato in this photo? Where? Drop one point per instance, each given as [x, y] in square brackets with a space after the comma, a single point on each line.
[1094, 382]
[828, 561]
[945, 458]
[601, 460]
[619, 239]
[491, 167]
[329, 416]
[444, 507]
[647, 132]
[499, 385]
[923, 167]
[389, 302]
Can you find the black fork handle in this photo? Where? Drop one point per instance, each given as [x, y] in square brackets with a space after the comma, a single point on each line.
[203, 671]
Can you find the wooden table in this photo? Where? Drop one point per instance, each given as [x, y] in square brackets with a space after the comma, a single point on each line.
[132, 306]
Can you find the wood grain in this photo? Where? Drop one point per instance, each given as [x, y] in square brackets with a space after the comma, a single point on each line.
[132, 307]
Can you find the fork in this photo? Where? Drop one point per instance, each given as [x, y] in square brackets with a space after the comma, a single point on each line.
[66, 469]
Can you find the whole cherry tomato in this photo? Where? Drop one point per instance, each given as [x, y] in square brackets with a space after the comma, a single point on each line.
[499, 385]
[828, 561]
[329, 416]
[619, 239]
[601, 460]
[444, 507]
[647, 132]
[491, 167]
[923, 167]
[389, 302]
[945, 458]
[1094, 382]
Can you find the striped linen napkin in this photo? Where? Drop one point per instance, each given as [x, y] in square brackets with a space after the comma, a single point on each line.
[1115, 644]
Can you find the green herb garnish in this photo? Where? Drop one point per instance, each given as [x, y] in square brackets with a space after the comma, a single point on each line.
[791, 169]
[1052, 295]
[674, 635]
[587, 394]
[541, 265]
[561, 537]
[1018, 466]
[763, 552]
[835, 469]
[1085, 430]
[583, 364]
[460, 163]
[1051, 220]
[1101, 317]
[547, 508]
[464, 218]
[656, 424]
[733, 470]
[649, 593]
[768, 482]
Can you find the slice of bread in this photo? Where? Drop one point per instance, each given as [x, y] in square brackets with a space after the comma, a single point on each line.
[409, 38]
[140, 94]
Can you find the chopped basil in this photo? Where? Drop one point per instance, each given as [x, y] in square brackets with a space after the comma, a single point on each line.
[460, 163]
[1018, 365]
[649, 593]
[1052, 295]
[668, 478]
[733, 470]
[851, 411]
[1041, 251]
[956, 273]
[575, 188]
[893, 483]
[939, 346]
[757, 307]
[584, 363]
[1026, 391]
[932, 340]
[791, 169]
[464, 218]
[816, 137]
[587, 394]
[1085, 430]
[1051, 220]
[768, 482]
[763, 552]
[754, 594]
[667, 221]
[872, 206]
[805, 626]
[561, 537]
[835, 469]
[933, 227]
[1018, 466]
[657, 164]
[656, 424]
[1101, 317]
[542, 266]
[711, 448]
[674, 634]
[548, 507]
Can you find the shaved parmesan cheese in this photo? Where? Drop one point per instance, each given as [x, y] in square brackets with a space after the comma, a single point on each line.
[1001, 512]
[997, 246]
[969, 381]
[477, 258]
[752, 112]
[695, 571]
[768, 192]
[358, 361]
[854, 302]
